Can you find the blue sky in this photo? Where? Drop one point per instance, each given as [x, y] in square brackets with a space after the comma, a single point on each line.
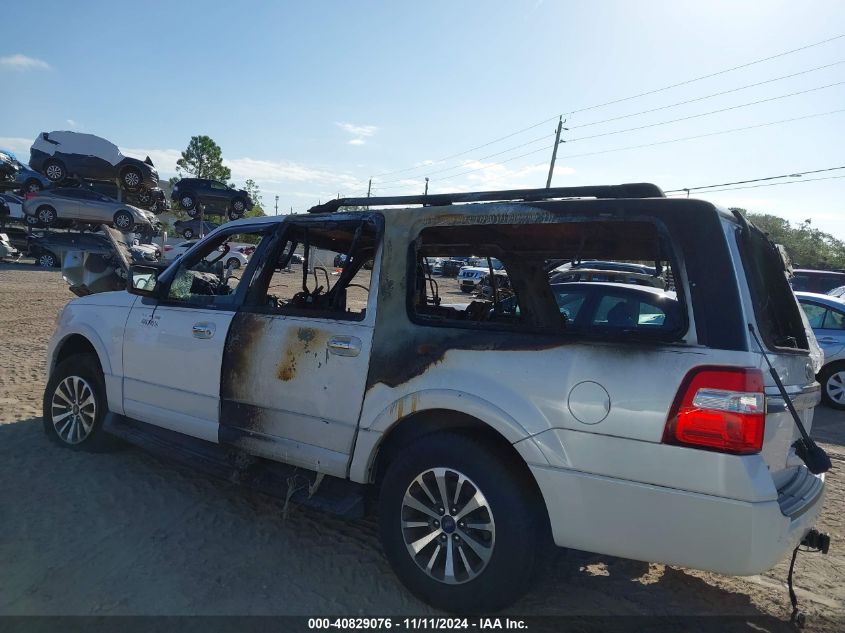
[310, 99]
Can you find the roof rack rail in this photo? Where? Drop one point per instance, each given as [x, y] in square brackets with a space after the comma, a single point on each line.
[630, 190]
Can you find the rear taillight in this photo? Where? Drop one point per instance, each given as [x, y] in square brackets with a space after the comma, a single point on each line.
[719, 408]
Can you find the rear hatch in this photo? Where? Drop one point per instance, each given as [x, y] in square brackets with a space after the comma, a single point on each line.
[790, 345]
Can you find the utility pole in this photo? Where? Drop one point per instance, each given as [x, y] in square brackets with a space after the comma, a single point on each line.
[426, 186]
[554, 152]
[277, 205]
[369, 187]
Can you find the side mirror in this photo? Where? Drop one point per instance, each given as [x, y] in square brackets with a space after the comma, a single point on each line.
[143, 281]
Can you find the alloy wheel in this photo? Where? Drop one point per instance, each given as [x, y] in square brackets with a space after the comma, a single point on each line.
[47, 261]
[447, 525]
[54, 172]
[132, 179]
[836, 387]
[73, 409]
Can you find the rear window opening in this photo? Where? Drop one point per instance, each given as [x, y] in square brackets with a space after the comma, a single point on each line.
[599, 279]
[775, 307]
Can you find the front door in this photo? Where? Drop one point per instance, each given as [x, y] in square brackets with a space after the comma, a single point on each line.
[298, 351]
[173, 346]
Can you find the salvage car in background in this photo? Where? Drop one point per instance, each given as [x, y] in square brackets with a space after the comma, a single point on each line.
[235, 257]
[62, 154]
[87, 206]
[26, 178]
[826, 315]
[191, 228]
[820, 281]
[606, 438]
[8, 169]
[218, 198]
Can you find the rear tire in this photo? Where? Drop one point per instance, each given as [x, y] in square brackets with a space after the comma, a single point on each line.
[75, 405]
[491, 566]
[47, 260]
[32, 186]
[832, 379]
[145, 196]
[235, 215]
[234, 262]
[188, 234]
[55, 170]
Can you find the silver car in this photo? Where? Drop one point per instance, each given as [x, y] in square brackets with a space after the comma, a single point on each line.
[85, 205]
[826, 315]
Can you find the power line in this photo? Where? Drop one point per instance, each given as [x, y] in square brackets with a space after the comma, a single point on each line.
[744, 182]
[642, 145]
[710, 96]
[654, 144]
[620, 100]
[771, 184]
[694, 116]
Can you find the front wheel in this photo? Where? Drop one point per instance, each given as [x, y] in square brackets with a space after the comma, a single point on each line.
[461, 523]
[46, 214]
[54, 170]
[187, 201]
[145, 196]
[75, 405]
[123, 221]
[131, 178]
[188, 234]
[234, 214]
[832, 379]
[233, 262]
[32, 186]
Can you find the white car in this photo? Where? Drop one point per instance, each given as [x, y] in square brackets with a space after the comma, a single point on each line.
[644, 424]
[15, 205]
[234, 258]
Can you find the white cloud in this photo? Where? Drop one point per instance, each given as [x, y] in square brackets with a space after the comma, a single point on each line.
[21, 62]
[360, 132]
[20, 146]
[72, 123]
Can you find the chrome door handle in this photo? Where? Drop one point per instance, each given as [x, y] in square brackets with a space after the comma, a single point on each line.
[203, 330]
[344, 345]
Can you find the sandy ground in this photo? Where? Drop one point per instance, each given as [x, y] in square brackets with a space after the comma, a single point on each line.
[126, 533]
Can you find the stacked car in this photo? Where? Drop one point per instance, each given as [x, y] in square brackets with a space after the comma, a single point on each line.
[212, 196]
[81, 205]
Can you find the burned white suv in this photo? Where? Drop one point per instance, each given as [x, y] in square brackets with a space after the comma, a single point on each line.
[640, 421]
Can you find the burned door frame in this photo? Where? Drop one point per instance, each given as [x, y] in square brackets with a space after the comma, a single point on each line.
[293, 376]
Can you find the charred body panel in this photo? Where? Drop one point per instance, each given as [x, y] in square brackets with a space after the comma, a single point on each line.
[290, 390]
[403, 349]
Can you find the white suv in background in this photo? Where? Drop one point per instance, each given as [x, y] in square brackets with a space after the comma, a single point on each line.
[624, 420]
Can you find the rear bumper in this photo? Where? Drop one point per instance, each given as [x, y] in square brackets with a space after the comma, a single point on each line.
[677, 527]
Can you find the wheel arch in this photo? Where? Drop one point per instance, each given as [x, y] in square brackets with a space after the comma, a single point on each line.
[80, 343]
[418, 414]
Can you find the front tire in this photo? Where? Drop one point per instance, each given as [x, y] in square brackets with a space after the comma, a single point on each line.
[75, 405]
[461, 523]
[234, 262]
[123, 221]
[131, 178]
[832, 379]
[145, 196]
[188, 234]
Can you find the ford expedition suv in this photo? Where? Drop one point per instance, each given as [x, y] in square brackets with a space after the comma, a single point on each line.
[645, 424]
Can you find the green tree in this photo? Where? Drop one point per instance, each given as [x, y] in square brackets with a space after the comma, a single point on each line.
[808, 247]
[257, 211]
[203, 158]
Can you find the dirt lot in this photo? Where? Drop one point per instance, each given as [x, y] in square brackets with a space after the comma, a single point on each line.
[125, 533]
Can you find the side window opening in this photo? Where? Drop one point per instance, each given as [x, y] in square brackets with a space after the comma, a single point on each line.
[212, 275]
[322, 269]
[598, 278]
